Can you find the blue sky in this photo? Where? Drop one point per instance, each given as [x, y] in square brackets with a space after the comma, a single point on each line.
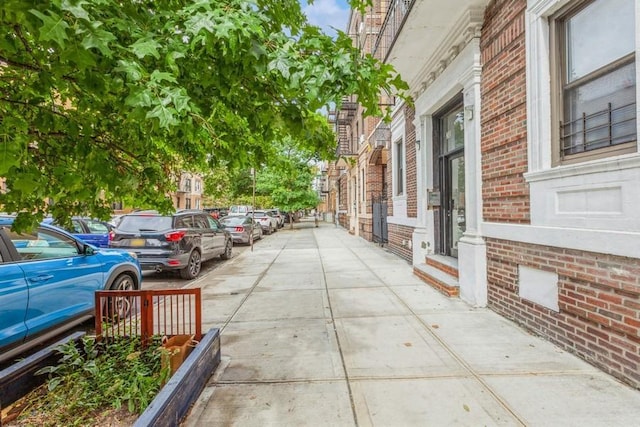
[327, 13]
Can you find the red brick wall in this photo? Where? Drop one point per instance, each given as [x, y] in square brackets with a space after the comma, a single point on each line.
[410, 154]
[599, 300]
[398, 233]
[504, 118]
[343, 202]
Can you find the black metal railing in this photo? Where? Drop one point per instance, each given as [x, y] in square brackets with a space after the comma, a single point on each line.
[605, 128]
[391, 26]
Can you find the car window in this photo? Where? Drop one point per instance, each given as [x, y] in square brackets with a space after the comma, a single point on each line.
[213, 223]
[43, 244]
[76, 226]
[96, 227]
[137, 223]
[233, 220]
[185, 221]
[201, 222]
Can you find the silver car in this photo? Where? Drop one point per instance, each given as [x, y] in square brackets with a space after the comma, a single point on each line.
[242, 228]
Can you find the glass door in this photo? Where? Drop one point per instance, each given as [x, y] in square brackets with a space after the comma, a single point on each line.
[455, 209]
[452, 190]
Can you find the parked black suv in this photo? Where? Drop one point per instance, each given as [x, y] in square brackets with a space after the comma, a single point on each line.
[173, 242]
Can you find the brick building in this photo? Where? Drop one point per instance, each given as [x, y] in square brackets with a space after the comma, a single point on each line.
[513, 179]
[358, 178]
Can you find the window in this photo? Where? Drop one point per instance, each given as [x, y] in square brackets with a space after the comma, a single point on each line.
[363, 187]
[43, 244]
[201, 222]
[399, 166]
[96, 227]
[187, 185]
[595, 79]
[198, 185]
[187, 203]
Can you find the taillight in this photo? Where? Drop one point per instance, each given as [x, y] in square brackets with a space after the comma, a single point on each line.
[111, 235]
[175, 236]
[239, 229]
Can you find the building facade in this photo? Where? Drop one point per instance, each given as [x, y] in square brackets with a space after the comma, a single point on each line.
[358, 180]
[189, 192]
[513, 178]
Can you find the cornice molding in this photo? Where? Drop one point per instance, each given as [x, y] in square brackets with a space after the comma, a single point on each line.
[467, 28]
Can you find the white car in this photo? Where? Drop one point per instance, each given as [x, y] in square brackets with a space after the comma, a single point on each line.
[278, 216]
[267, 221]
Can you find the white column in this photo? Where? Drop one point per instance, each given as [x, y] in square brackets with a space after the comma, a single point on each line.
[472, 252]
[420, 241]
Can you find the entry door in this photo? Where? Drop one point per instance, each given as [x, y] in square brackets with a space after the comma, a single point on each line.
[454, 207]
[451, 165]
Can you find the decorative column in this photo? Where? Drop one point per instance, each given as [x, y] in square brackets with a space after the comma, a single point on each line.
[472, 251]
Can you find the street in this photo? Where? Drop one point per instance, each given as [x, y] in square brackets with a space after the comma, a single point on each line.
[172, 280]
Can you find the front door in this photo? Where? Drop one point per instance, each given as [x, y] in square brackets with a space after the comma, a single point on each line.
[451, 170]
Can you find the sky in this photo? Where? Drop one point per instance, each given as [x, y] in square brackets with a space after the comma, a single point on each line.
[327, 14]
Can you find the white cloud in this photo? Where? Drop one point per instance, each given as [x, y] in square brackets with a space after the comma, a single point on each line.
[328, 15]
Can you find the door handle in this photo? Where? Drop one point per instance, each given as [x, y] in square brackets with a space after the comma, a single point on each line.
[40, 278]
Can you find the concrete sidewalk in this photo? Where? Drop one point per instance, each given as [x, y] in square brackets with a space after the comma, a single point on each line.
[321, 328]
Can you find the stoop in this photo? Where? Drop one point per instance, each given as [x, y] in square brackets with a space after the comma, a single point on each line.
[441, 273]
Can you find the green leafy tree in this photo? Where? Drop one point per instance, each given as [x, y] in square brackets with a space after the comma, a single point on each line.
[289, 182]
[101, 99]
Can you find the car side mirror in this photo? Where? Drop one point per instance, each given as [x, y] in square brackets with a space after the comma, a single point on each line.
[88, 250]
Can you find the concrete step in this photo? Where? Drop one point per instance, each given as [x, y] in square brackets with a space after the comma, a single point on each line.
[443, 263]
[438, 279]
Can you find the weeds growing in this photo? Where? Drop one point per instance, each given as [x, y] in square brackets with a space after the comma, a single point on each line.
[98, 376]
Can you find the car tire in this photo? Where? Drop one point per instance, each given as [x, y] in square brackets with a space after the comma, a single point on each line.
[228, 249]
[120, 307]
[193, 267]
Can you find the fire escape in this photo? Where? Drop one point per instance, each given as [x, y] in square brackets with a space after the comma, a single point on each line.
[341, 119]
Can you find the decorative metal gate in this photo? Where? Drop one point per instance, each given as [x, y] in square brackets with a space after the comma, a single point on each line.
[380, 233]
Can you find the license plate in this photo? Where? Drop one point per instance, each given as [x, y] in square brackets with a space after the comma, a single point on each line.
[137, 242]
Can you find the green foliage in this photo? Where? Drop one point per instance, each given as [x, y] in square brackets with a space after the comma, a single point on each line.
[105, 100]
[289, 181]
[98, 376]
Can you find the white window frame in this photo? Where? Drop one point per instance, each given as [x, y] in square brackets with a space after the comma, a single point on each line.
[553, 187]
[539, 97]
[399, 168]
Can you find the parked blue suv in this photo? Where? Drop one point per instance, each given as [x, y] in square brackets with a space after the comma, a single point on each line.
[48, 279]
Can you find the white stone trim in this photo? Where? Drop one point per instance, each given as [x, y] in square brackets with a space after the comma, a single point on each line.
[399, 220]
[598, 241]
[615, 179]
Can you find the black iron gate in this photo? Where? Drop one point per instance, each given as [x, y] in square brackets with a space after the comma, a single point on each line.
[380, 233]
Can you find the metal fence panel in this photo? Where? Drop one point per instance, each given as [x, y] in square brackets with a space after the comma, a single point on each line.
[146, 313]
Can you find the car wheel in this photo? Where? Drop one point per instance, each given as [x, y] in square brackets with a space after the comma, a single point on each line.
[227, 250]
[192, 269]
[270, 230]
[120, 307]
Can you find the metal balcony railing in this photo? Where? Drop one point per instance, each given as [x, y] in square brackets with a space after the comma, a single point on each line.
[391, 26]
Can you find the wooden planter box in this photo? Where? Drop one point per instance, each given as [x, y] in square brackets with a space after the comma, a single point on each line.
[168, 408]
[173, 402]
